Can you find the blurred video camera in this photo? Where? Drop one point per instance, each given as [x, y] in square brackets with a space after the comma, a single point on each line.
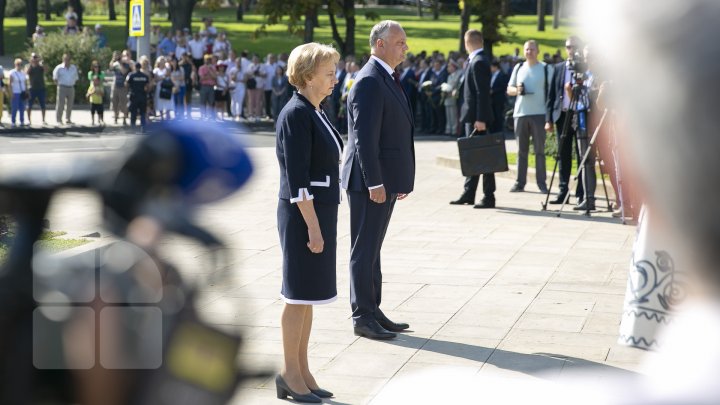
[578, 66]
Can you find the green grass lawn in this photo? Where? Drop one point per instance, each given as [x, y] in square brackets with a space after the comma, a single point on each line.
[49, 240]
[423, 33]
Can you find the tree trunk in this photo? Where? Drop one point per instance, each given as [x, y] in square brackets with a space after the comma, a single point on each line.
[556, 14]
[126, 31]
[310, 19]
[112, 16]
[541, 15]
[419, 8]
[505, 8]
[464, 24]
[48, 14]
[78, 7]
[436, 9]
[349, 11]
[335, 34]
[181, 13]
[31, 15]
[3, 3]
[240, 10]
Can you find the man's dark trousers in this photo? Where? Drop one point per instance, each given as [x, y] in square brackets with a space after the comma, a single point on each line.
[367, 220]
[565, 147]
[471, 182]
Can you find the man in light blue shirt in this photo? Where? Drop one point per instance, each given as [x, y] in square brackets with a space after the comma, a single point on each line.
[166, 45]
[529, 84]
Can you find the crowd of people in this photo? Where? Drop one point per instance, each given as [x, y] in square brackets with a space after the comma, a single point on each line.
[204, 68]
[232, 84]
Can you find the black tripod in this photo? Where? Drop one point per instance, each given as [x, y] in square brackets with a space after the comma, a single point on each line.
[582, 168]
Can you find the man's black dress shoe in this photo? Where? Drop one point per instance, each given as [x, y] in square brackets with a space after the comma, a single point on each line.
[392, 326]
[463, 200]
[283, 391]
[585, 206]
[559, 200]
[485, 204]
[373, 330]
[516, 188]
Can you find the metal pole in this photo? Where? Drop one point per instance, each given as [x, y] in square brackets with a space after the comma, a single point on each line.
[143, 45]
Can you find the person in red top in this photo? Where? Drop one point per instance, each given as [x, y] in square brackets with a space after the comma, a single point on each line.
[208, 79]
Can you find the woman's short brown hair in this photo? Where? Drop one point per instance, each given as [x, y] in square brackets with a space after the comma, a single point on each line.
[305, 58]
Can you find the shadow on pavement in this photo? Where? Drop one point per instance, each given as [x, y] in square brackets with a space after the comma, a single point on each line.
[535, 364]
[567, 213]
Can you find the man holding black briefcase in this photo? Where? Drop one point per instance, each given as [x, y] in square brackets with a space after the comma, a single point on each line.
[476, 114]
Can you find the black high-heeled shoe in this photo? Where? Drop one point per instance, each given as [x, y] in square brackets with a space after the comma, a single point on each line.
[321, 393]
[283, 391]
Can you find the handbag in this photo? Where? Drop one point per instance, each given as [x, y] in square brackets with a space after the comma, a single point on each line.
[251, 83]
[166, 87]
[481, 154]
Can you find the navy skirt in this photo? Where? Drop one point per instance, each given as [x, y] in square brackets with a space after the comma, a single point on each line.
[308, 278]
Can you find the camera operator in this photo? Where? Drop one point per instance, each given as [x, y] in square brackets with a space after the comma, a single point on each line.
[557, 112]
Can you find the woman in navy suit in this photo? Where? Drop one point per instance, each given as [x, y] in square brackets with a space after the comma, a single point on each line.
[308, 151]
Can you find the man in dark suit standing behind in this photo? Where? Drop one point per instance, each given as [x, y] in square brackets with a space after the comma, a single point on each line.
[378, 169]
[476, 114]
[498, 96]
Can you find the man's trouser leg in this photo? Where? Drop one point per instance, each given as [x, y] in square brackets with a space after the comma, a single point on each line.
[537, 128]
[70, 102]
[60, 103]
[522, 132]
[368, 224]
[565, 149]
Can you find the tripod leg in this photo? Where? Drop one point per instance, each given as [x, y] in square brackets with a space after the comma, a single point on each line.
[602, 176]
[552, 179]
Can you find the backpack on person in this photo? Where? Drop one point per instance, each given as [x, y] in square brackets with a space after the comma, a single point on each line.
[166, 89]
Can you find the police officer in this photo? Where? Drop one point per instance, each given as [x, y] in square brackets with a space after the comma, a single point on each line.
[138, 84]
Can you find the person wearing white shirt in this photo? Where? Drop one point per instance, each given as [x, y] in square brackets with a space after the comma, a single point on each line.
[19, 88]
[65, 75]
[181, 48]
[221, 46]
[237, 79]
[269, 66]
[256, 93]
[197, 49]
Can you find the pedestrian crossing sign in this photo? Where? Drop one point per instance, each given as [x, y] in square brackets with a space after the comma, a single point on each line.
[137, 18]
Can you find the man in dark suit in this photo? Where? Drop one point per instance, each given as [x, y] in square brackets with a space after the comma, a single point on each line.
[498, 96]
[476, 114]
[440, 75]
[558, 112]
[425, 74]
[409, 83]
[378, 169]
[334, 99]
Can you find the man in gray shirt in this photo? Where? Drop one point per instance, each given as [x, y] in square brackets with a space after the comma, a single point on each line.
[65, 75]
[529, 83]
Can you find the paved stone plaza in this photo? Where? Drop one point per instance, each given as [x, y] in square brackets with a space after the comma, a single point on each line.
[511, 290]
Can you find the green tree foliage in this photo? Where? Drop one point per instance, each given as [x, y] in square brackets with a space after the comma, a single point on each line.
[291, 13]
[83, 50]
[490, 15]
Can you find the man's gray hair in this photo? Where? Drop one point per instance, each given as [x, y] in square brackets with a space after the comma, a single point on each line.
[381, 30]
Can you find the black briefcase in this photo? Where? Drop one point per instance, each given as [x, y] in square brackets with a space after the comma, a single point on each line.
[481, 154]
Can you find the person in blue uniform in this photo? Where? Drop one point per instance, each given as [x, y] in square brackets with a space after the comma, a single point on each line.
[309, 150]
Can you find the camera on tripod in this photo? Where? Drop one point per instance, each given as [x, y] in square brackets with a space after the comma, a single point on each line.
[578, 66]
